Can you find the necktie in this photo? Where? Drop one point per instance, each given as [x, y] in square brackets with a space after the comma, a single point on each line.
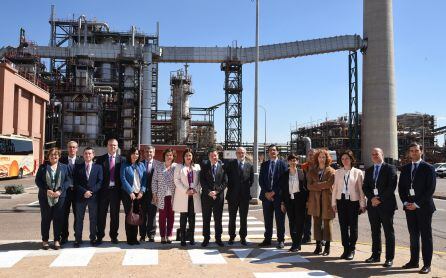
[112, 168]
[214, 171]
[149, 166]
[271, 172]
[240, 167]
[87, 170]
[414, 169]
[375, 173]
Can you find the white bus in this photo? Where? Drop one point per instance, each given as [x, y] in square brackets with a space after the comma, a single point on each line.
[16, 156]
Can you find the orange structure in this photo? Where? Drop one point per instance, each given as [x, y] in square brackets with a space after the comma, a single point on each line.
[23, 100]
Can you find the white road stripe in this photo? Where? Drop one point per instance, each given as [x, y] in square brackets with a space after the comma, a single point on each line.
[294, 274]
[271, 256]
[206, 256]
[10, 258]
[74, 257]
[140, 257]
[250, 229]
[242, 254]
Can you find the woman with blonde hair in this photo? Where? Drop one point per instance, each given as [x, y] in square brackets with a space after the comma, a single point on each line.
[320, 184]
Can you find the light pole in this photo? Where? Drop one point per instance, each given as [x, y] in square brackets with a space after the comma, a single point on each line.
[256, 103]
[264, 144]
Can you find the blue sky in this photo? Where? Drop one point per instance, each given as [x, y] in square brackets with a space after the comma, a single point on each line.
[294, 91]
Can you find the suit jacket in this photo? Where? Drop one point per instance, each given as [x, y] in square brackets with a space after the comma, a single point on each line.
[82, 184]
[103, 161]
[207, 180]
[239, 182]
[128, 176]
[386, 185]
[181, 198]
[149, 177]
[265, 186]
[302, 195]
[424, 185]
[41, 181]
[64, 160]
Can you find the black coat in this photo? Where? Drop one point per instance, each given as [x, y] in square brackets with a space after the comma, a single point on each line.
[239, 183]
[386, 185]
[82, 184]
[424, 185]
[301, 197]
[103, 161]
[207, 181]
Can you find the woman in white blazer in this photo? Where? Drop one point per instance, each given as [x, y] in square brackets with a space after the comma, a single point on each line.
[187, 195]
[348, 201]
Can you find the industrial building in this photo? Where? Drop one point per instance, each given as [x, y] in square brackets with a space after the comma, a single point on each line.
[334, 135]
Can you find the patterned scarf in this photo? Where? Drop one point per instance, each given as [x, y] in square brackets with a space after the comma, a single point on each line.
[53, 184]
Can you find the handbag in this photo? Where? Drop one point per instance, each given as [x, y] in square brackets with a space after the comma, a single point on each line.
[132, 218]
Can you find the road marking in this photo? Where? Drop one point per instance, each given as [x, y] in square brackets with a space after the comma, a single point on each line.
[200, 223]
[33, 204]
[270, 256]
[10, 258]
[74, 257]
[206, 256]
[140, 257]
[294, 274]
[250, 229]
[242, 254]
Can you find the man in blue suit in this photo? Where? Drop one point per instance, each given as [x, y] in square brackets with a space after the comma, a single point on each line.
[416, 188]
[87, 182]
[270, 172]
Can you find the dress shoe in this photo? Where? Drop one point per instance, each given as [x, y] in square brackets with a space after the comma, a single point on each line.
[410, 265]
[280, 245]
[183, 243]
[94, 242]
[344, 255]
[163, 241]
[56, 245]
[114, 241]
[350, 255]
[151, 239]
[231, 241]
[265, 243]
[243, 242]
[373, 259]
[388, 263]
[98, 241]
[168, 241]
[45, 245]
[64, 240]
[326, 249]
[294, 249]
[425, 270]
[142, 239]
[219, 243]
[76, 244]
[205, 243]
[192, 242]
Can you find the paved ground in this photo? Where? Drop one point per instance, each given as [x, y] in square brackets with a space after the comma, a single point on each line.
[20, 253]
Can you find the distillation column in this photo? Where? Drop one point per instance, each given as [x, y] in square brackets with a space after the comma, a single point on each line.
[378, 100]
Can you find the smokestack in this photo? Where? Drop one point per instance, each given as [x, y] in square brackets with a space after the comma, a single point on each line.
[379, 99]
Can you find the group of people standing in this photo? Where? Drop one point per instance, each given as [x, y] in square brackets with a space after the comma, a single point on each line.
[314, 190]
[320, 191]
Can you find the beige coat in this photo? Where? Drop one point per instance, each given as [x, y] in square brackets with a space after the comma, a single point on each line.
[320, 192]
[180, 200]
[354, 187]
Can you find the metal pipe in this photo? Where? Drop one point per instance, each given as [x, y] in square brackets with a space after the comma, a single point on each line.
[256, 103]
[79, 30]
[133, 35]
[146, 98]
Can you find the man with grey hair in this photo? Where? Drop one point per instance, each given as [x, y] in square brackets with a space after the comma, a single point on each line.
[148, 227]
[379, 186]
[240, 179]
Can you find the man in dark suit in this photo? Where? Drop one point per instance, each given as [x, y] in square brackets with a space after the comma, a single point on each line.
[240, 179]
[148, 227]
[213, 180]
[379, 186]
[416, 188]
[270, 172]
[110, 194]
[70, 200]
[87, 182]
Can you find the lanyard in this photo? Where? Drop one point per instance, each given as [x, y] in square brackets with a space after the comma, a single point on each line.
[190, 177]
[321, 174]
[346, 180]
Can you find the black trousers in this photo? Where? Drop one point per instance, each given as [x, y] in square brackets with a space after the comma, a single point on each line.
[70, 202]
[48, 214]
[188, 216]
[148, 227]
[212, 207]
[242, 206]
[296, 217]
[271, 210]
[348, 212]
[131, 231]
[81, 206]
[379, 217]
[110, 196]
[419, 222]
[307, 225]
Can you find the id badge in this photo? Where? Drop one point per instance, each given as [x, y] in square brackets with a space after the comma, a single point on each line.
[412, 192]
[375, 191]
[347, 196]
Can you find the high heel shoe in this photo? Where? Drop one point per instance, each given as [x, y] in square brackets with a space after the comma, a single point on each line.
[45, 245]
[318, 249]
[56, 245]
[326, 249]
